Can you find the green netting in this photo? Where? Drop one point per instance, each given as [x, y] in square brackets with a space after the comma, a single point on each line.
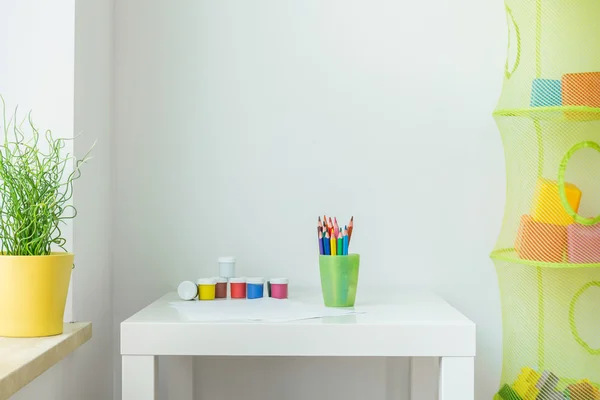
[548, 253]
[551, 320]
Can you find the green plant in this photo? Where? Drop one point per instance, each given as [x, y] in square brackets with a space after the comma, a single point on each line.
[36, 187]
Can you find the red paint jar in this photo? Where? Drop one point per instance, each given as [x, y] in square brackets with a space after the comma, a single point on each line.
[221, 288]
[238, 288]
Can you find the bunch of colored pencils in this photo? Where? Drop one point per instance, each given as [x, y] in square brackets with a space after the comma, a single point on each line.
[333, 240]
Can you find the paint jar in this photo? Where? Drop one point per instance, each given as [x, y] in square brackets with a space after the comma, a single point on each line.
[339, 279]
[220, 288]
[279, 288]
[256, 287]
[187, 290]
[226, 267]
[206, 288]
[238, 288]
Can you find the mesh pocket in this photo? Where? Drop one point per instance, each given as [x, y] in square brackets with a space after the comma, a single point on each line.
[550, 325]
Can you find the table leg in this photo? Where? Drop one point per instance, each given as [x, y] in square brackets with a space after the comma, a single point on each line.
[139, 378]
[457, 378]
[180, 377]
[423, 374]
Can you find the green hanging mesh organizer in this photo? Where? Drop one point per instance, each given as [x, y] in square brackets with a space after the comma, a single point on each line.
[548, 254]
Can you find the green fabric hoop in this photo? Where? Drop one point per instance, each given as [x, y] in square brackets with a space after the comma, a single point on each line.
[508, 73]
[561, 183]
[574, 330]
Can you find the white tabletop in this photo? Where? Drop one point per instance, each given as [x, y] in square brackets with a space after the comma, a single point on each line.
[403, 324]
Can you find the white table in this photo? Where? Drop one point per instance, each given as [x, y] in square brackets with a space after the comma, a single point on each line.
[405, 325]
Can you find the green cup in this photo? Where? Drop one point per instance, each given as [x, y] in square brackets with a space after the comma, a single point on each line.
[339, 279]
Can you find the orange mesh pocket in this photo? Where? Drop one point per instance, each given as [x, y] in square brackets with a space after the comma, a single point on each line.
[540, 241]
[581, 89]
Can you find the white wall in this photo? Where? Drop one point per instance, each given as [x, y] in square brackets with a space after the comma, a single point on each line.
[36, 70]
[36, 73]
[90, 370]
[238, 122]
[56, 59]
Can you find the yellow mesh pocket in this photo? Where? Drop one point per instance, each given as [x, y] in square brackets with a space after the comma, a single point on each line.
[547, 256]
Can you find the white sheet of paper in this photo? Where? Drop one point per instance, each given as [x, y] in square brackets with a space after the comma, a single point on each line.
[265, 309]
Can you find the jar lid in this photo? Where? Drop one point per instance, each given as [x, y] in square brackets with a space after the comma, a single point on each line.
[278, 281]
[255, 281]
[220, 279]
[187, 290]
[206, 281]
[237, 280]
[226, 259]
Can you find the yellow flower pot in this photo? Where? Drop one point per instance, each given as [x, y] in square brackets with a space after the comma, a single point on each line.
[33, 293]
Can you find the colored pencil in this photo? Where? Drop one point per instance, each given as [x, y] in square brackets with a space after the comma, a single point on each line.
[333, 245]
[336, 228]
[350, 227]
[334, 240]
[320, 241]
[346, 240]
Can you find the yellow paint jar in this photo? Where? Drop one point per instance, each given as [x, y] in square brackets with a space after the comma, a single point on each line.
[206, 288]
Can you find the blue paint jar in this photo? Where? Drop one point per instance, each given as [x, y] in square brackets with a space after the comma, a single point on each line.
[255, 287]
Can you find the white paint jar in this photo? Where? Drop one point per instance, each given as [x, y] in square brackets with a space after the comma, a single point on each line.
[226, 267]
[187, 290]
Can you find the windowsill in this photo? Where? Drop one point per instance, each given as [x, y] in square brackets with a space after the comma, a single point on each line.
[23, 360]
